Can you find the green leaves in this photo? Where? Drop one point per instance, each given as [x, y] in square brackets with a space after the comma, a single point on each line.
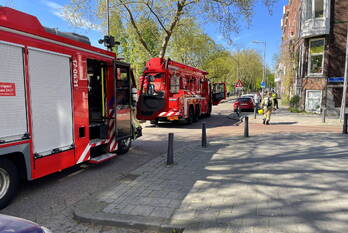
[171, 28]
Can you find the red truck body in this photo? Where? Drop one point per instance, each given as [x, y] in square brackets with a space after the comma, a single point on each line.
[171, 91]
[62, 101]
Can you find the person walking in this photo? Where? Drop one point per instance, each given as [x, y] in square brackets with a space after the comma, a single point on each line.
[267, 105]
[275, 100]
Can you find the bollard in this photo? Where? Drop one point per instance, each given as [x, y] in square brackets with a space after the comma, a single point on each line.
[345, 119]
[170, 154]
[246, 126]
[204, 135]
[323, 116]
[255, 111]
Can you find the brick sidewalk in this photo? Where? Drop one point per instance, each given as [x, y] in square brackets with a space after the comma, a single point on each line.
[286, 177]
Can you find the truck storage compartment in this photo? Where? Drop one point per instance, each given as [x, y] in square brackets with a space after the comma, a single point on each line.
[51, 103]
[13, 115]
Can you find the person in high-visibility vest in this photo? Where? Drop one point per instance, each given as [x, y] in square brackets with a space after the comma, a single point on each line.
[275, 100]
[267, 105]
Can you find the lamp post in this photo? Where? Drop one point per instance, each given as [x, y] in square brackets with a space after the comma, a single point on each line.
[264, 59]
[237, 62]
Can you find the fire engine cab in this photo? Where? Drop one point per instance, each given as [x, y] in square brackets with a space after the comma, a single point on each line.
[62, 102]
[171, 91]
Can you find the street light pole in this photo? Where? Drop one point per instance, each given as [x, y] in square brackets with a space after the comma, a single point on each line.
[237, 62]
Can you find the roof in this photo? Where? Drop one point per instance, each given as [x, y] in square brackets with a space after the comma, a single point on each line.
[23, 22]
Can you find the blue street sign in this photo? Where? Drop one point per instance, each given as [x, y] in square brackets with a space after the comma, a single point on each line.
[263, 84]
[336, 79]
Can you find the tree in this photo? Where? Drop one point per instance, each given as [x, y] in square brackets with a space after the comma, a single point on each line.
[168, 14]
[190, 45]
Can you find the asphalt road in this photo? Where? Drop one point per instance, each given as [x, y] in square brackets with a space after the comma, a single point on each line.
[49, 201]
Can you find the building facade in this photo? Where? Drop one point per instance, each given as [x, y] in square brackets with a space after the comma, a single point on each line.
[318, 51]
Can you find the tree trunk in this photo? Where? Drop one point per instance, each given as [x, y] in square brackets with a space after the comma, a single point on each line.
[179, 11]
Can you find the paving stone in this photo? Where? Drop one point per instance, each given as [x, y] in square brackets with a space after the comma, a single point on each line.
[142, 210]
[163, 212]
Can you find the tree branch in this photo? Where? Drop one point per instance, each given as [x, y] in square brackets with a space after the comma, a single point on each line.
[179, 11]
[142, 41]
[156, 16]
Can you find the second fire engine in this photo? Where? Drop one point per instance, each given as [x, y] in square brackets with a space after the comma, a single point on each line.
[171, 91]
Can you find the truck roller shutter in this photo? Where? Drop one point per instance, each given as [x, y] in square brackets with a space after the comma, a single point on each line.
[51, 104]
[13, 116]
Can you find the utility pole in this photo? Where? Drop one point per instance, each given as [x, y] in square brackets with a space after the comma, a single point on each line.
[344, 94]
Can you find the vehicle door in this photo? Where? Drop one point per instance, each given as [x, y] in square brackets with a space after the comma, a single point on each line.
[218, 92]
[123, 101]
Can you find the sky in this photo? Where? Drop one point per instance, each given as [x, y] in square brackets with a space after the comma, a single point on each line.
[264, 26]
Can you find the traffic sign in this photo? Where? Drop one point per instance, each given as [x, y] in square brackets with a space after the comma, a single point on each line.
[263, 84]
[336, 79]
[239, 84]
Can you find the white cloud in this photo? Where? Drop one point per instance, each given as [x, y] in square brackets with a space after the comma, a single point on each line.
[69, 16]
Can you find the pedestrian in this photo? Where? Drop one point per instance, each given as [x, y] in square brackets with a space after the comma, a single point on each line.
[275, 100]
[267, 105]
[257, 99]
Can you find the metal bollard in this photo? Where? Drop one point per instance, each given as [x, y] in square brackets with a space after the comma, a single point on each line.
[246, 126]
[255, 110]
[170, 154]
[345, 119]
[204, 135]
[323, 116]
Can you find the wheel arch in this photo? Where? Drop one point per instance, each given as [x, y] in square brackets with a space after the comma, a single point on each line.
[19, 155]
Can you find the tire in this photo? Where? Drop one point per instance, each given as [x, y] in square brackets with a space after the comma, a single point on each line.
[123, 146]
[191, 116]
[209, 110]
[197, 114]
[9, 180]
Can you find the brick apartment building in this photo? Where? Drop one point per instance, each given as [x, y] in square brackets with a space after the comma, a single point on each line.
[313, 51]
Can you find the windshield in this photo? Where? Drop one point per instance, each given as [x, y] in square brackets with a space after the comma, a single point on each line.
[244, 100]
[153, 85]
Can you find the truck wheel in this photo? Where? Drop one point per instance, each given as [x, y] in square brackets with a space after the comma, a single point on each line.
[8, 182]
[123, 146]
[191, 116]
[197, 114]
[209, 110]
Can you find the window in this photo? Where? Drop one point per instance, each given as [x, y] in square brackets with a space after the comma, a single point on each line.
[316, 56]
[174, 84]
[122, 86]
[319, 8]
[153, 85]
[309, 10]
[314, 9]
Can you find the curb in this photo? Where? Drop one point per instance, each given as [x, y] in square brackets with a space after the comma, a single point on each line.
[84, 214]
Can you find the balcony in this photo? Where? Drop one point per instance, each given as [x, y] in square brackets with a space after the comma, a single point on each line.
[315, 27]
[315, 20]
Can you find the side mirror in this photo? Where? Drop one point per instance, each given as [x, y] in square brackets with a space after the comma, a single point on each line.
[218, 92]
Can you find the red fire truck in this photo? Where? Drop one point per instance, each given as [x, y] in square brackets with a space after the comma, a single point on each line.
[171, 91]
[62, 102]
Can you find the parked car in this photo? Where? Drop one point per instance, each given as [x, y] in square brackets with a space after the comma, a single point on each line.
[20, 225]
[243, 103]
